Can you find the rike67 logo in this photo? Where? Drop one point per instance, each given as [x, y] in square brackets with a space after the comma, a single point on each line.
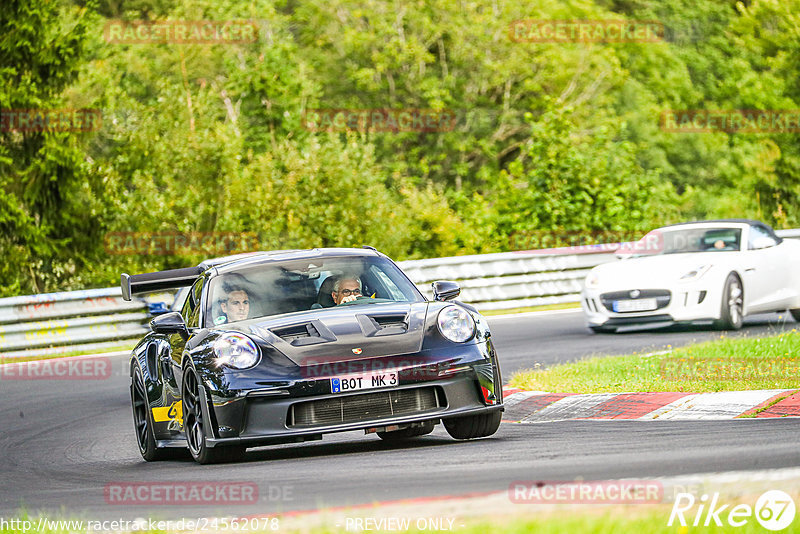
[774, 510]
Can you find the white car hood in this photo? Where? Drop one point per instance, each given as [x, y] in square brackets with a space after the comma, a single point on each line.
[652, 272]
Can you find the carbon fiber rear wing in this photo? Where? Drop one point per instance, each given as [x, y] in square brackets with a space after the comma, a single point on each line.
[134, 284]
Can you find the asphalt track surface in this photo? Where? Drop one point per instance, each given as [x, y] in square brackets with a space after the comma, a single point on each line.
[64, 441]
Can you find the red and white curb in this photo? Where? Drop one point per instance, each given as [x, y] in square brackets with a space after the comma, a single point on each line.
[543, 407]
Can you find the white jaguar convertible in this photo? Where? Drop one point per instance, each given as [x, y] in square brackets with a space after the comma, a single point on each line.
[701, 272]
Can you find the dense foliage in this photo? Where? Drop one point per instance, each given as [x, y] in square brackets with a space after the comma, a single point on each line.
[560, 137]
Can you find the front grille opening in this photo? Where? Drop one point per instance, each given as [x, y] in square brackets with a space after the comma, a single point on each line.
[365, 407]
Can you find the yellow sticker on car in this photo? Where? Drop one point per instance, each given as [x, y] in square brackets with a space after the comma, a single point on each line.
[173, 412]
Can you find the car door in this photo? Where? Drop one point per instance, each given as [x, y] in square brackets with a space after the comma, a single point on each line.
[173, 360]
[766, 277]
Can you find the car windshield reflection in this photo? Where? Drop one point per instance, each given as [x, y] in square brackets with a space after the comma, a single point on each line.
[270, 289]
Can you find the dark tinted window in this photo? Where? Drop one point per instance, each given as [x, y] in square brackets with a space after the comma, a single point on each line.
[701, 240]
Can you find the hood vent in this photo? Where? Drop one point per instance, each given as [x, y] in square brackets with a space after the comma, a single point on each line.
[330, 335]
[309, 333]
[387, 321]
[383, 325]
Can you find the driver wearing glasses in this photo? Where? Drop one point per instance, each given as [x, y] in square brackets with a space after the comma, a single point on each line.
[346, 290]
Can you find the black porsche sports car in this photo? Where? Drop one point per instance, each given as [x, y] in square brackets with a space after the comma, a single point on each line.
[285, 346]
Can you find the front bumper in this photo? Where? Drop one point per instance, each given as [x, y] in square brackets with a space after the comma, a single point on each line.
[267, 421]
[469, 383]
[689, 303]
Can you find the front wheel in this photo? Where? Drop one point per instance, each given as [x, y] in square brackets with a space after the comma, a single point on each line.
[194, 424]
[796, 314]
[732, 304]
[473, 426]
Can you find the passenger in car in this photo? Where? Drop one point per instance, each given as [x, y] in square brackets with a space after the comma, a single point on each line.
[236, 305]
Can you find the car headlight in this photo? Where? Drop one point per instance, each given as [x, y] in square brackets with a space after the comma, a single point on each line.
[236, 350]
[695, 273]
[592, 280]
[456, 324]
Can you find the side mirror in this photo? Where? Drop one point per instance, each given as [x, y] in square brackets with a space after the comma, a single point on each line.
[170, 323]
[444, 290]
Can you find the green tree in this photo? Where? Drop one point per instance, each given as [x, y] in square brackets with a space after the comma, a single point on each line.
[48, 203]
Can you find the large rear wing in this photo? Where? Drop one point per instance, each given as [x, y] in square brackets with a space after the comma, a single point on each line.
[133, 284]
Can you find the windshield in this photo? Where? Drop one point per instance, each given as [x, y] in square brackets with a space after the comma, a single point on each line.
[300, 285]
[685, 240]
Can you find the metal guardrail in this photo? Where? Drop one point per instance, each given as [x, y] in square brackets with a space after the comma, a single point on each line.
[98, 319]
[511, 279]
[56, 323]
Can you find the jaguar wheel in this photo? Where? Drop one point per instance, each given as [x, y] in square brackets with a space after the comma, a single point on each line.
[194, 424]
[732, 304]
[142, 422]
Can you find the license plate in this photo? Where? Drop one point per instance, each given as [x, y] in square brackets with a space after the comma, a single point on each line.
[634, 305]
[359, 381]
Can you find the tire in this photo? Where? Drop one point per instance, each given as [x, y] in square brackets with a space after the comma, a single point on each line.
[731, 304]
[603, 329]
[194, 425]
[473, 426]
[407, 433]
[796, 314]
[143, 422]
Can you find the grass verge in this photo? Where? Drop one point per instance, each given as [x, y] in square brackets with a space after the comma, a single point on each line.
[596, 519]
[726, 364]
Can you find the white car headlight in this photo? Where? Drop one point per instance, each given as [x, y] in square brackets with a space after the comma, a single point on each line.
[695, 274]
[236, 350]
[592, 280]
[456, 324]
